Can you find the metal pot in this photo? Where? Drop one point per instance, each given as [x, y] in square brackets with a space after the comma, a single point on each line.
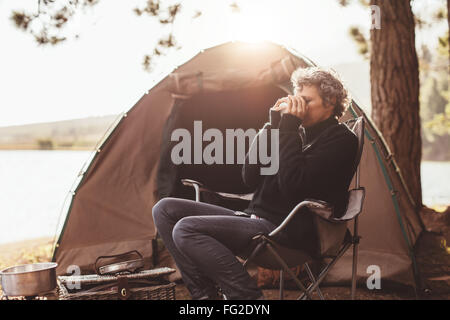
[29, 279]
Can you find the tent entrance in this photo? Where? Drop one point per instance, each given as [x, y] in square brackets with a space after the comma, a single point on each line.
[238, 109]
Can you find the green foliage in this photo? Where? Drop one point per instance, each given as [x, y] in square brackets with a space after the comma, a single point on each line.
[443, 47]
[434, 78]
[166, 15]
[46, 25]
[361, 41]
[21, 19]
[440, 122]
[435, 105]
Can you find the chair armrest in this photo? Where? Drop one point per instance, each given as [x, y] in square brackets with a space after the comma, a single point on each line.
[196, 185]
[318, 207]
[199, 187]
[325, 211]
[190, 182]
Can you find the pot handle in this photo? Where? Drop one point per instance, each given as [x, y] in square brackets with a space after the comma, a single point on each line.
[115, 256]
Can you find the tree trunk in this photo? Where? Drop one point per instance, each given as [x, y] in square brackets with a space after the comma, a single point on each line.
[394, 74]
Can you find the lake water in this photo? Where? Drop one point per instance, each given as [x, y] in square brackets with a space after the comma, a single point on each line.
[34, 185]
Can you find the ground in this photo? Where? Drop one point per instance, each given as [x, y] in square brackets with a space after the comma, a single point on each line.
[432, 252]
[433, 258]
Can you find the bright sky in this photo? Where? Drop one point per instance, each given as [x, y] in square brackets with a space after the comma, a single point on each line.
[101, 72]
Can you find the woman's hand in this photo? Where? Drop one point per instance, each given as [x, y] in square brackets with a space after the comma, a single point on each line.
[293, 105]
[281, 105]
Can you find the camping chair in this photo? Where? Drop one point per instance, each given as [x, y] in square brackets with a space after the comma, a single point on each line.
[334, 237]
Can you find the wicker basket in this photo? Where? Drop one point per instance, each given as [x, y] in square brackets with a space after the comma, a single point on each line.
[144, 285]
[161, 292]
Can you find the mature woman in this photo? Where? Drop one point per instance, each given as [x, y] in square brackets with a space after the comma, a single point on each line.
[316, 155]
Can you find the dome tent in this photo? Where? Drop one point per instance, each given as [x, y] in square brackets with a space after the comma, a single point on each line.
[232, 85]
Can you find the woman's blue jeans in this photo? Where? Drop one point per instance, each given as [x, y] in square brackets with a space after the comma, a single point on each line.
[204, 240]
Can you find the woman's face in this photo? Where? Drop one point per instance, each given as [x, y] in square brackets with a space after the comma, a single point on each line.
[317, 111]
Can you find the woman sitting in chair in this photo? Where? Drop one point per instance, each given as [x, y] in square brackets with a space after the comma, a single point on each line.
[316, 158]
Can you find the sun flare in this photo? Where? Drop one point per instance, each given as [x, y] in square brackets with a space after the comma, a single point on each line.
[257, 24]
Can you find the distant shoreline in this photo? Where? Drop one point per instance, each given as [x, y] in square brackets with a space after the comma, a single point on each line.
[76, 134]
[35, 147]
[14, 245]
[14, 147]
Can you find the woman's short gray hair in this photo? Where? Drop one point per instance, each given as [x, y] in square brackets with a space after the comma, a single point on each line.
[331, 89]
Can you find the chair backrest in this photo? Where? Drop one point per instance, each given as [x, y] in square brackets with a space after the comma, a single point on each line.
[331, 232]
[354, 205]
[355, 196]
[357, 126]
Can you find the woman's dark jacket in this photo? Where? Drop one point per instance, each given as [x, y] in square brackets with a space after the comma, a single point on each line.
[323, 172]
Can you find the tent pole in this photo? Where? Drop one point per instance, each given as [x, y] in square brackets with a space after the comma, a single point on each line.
[355, 241]
[281, 284]
[155, 256]
[357, 178]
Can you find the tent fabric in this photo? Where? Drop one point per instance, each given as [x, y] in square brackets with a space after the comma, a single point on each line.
[191, 83]
[226, 105]
[228, 86]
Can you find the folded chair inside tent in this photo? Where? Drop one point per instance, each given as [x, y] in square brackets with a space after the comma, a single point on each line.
[334, 237]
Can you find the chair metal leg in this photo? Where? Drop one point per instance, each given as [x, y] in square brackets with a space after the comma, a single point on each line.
[258, 248]
[355, 257]
[155, 257]
[281, 284]
[325, 271]
[354, 269]
[313, 280]
[288, 270]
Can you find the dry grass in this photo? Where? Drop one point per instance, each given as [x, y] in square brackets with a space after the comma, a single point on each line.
[29, 251]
